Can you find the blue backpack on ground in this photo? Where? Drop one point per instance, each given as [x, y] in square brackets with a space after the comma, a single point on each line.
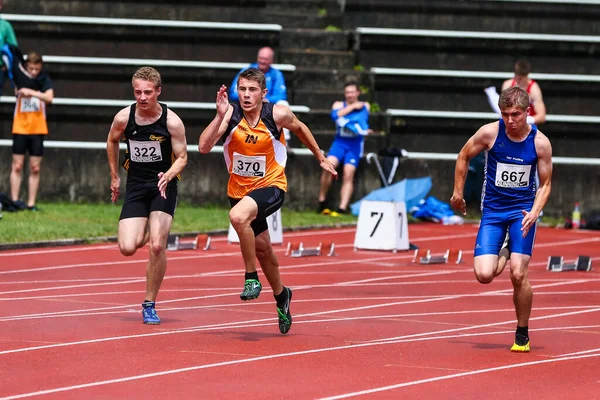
[432, 209]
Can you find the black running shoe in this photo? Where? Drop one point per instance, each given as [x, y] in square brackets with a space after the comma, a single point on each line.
[252, 288]
[283, 312]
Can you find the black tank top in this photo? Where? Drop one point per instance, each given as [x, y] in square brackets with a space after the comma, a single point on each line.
[149, 149]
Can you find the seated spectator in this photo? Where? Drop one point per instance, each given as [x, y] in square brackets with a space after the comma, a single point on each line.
[351, 118]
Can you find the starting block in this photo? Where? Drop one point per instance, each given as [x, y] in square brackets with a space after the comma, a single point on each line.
[557, 264]
[298, 250]
[202, 241]
[451, 256]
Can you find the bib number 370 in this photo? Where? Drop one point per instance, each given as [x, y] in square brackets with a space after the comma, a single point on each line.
[251, 166]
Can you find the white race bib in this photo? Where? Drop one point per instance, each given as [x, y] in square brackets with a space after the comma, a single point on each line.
[145, 151]
[512, 176]
[30, 104]
[249, 165]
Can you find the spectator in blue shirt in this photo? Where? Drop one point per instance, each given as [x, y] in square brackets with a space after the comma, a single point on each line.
[7, 36]
[276, 89]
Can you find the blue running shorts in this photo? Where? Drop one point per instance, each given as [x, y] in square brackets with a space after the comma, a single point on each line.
[492, 232]
[346, 151]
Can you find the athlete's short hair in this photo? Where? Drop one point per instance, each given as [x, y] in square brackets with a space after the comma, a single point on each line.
[254, 74]
[148, 74]
[352, 83]
[513, 97]
[34, 58]
[522, 68]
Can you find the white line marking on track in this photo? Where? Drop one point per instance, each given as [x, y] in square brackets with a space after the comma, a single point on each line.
[138, 280]
[512, 321]
[217, 239]
[58, 250]
[292, 354]
[204, 255]
[452, 376]
[579, 352]
[340, 284]
[245, 323]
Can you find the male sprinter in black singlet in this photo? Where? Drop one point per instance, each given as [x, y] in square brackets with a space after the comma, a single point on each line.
[157, 152]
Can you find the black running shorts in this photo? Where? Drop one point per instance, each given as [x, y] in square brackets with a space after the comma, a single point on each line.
[269, 200]
[34, 144]
[141, 200]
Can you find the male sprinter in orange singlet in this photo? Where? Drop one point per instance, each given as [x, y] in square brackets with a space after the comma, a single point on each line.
[255, 154]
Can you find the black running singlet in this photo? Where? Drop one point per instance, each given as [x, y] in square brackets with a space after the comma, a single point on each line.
[149, 149]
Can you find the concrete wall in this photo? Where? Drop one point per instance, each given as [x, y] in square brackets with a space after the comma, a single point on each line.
[82, 176]
[475, 15]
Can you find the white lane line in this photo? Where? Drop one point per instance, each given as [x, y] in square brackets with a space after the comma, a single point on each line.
[292, 354]
[138, 280]
[341, 284]
[206, 255]
[58, 250]
[452, 376]
[245, 323]
[70, 280]
[578, 352]
[511, 321]
[71, 248]
[136, 292]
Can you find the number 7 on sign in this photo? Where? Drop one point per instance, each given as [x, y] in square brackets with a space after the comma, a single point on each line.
[376, 213]
[382, 225]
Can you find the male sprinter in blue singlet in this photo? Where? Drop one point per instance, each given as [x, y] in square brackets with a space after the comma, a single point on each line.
[510, 200]
[351, 119]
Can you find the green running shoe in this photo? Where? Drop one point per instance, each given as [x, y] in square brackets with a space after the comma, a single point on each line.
[252, 288]
[283, 312]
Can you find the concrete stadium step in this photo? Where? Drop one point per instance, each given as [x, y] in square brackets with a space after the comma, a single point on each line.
[499, 16]
[318, 99]
[317, 58]
[316, 39]
[301, 13]
[92, 123]
[126, 41]
[308, 78]
[111, 81]
[456, 94]
[447, 135]
[438, 52]
[315, 19]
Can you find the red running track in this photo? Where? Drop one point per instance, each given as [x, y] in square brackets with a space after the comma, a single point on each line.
[366, 324]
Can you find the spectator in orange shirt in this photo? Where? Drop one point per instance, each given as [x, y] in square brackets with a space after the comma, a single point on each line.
[34, 91]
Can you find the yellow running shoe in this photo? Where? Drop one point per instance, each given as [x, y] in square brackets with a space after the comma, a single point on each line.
[521, 344]
[326, 211]
[334, 214]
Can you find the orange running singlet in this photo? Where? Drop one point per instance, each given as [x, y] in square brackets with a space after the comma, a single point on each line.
[30, 116]
[255, 156]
